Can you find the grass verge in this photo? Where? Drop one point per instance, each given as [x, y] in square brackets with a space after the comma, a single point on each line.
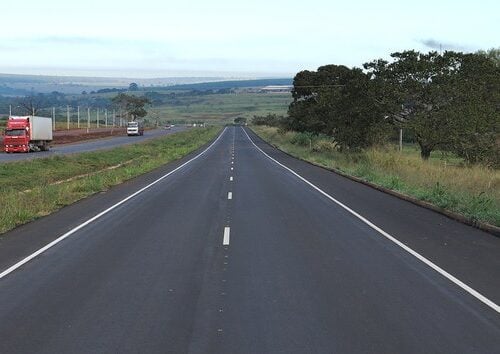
[31, 189]
[473, 191]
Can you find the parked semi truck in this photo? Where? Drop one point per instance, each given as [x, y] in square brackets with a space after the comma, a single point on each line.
[28, 133]
[135, 128]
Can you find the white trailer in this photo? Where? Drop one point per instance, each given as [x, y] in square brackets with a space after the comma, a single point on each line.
[41, 128]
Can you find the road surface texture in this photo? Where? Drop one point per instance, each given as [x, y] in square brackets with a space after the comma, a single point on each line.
[230, 252]
[86, 146]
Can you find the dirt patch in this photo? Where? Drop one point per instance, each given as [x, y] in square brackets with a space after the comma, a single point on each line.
[76, 135]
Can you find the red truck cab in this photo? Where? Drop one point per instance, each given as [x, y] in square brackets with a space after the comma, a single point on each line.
[29, 133]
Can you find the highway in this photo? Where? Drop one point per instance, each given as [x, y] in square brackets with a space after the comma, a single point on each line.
[239, 248]
[91, 145]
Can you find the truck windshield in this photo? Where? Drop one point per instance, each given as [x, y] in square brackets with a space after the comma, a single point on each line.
[133, 124]
[15, 132]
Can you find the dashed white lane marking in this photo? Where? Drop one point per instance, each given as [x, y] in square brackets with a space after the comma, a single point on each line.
[232, 162]
[231, 178]
[417, 255]
[102, 213]
[225, 241]
[230, 195]
[232, 168]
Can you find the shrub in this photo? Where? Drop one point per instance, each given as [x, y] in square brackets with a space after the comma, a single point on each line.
[324, 146]
[302, 139]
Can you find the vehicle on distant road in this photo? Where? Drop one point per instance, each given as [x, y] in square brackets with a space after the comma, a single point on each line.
[135, 128]
[168, 127]
[27, 133]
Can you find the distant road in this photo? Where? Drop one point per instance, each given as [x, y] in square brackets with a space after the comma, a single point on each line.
[86, 146]
[244, 249]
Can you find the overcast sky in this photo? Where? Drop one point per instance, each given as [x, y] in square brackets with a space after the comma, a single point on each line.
[159, 38]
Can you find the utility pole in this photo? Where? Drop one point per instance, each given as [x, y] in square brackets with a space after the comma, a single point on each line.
[88, 119]
[401, 131]
[54, 118]
[78, 116]
[10, 110]
[67, 116]
[97, 119]
[114, 117]
[400, 139]
[106, 117]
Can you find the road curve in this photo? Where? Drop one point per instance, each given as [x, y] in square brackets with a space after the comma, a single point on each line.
[229, 252]
[87, 146]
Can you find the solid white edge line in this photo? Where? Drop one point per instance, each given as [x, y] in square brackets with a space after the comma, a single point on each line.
[227, 231]
[229, 195]
[79, 227]
[417, 255]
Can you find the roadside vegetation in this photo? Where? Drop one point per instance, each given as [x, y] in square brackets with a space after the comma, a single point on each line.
[31, 189]
[352, 119]
[447, 102]
[443, 180]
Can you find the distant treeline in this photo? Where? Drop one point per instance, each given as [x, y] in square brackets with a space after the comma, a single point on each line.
[25, 104]
[6, 90]
[231, 84]
[448, 101]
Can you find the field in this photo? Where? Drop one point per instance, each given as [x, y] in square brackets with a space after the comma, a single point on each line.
[31, 189]
[473, 191]
[221, 108]
[184, 108]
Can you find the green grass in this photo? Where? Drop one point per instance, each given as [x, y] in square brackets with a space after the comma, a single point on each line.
[28, 189]
[222, 108]
[444, 180]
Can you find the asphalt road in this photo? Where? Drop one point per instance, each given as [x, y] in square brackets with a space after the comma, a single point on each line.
[87, 146]
[223, 255]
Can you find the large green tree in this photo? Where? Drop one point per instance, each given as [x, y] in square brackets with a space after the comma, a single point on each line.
[475, 131]
[339, 102]
[448, 101]
[133, 106]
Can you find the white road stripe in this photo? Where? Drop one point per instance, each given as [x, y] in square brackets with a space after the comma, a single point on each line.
[225, 241]
[231, 178]
[417, 255]
[91, 220]
[230, 195]
[232, 168]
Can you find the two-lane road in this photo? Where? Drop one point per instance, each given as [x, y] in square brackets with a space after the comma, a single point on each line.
[229, 252]
[88, 146]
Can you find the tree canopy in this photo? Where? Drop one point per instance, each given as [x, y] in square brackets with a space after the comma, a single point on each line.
[133, 106]
[448, 101]
[339, 102]
[133, 87]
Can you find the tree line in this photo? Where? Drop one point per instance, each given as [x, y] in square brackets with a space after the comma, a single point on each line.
[448, 101]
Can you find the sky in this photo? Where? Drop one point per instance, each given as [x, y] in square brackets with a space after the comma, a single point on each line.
[252, 38]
